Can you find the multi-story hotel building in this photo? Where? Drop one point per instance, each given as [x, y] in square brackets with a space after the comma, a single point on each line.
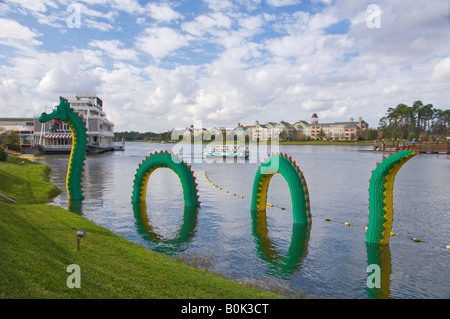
[339, 131]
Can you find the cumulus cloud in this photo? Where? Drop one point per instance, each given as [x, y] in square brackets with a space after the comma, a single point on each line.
[211, 23]
[281, 3]
[9, 88]
[162, 12]
[15, 34]
[159, 42]
[113, 48]
[34, 5]
[409, 30]
[226, 62]
[441, 71]
[65, 73]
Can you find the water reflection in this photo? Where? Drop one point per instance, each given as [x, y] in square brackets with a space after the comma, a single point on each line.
[75, 206]
[380, 255]
[184, 235]
[97, 178]
[281, 265]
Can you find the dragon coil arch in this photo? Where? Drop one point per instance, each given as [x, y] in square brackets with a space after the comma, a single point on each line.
[175, 163]
[281, 163]
[381, 188]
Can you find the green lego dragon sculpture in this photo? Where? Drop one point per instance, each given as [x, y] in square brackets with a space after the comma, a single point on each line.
[281, 163]
[176, 164]
[64, 113]
[381, 195]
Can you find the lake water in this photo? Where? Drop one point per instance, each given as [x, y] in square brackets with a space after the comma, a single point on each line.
[329, 260]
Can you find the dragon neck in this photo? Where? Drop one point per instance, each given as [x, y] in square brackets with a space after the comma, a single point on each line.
[77, 155]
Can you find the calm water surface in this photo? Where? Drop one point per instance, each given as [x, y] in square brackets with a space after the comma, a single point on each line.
[329, 260]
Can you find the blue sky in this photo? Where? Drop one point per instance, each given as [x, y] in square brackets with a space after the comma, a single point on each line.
[159, 65]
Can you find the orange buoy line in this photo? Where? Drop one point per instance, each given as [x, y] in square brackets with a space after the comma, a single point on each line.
[348, 224]
[392, 234]
[220, 188]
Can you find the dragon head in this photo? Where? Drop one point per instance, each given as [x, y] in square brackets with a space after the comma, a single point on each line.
[59, 114]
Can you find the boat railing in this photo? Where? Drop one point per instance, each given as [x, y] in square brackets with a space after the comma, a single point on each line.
[57, 147]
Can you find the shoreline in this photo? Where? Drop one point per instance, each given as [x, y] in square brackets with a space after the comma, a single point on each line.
[320, 143]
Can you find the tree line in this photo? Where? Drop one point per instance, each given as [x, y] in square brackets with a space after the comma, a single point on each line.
[137, 136]
[9, 139]
[417, 121]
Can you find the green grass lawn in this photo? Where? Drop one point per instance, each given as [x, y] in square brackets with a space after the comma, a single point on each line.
[38, 242]
[26, 181]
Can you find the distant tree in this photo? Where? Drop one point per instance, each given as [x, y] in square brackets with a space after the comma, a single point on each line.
[370, 134]
[414, 121]
[3, 154]
[10, 139]
[321, 134]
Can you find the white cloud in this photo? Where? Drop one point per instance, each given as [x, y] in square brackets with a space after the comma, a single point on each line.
[113, 48]
[219, 5]
[441, 71]
[314, 105]
[9, 88]
[65, 74]
[34, 5]
[159, 42]
[336, 113]
[391, 89]
[162, 12]
[409, 30]
[251, 25]
[129, 6]
[282, 3]
[212, 23]
[14, 34]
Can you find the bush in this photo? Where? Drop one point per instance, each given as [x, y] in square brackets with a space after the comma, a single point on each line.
[3, 154]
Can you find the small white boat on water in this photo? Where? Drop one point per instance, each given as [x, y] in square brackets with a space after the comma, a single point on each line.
[238, 151]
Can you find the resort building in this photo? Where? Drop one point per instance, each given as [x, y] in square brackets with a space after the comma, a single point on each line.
[300, 130]
[339, 131]
[24, 128]
[55, 137]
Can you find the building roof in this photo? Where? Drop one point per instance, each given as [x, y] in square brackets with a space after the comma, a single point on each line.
[16, 119]
[286, 123]
[302, 122]
[269, 124]
[345, 124]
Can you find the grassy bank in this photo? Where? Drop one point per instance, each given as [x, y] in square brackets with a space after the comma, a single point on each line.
[38, 243]
[26, 182]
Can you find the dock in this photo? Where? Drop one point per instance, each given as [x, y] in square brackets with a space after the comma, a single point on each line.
[119, 147]
[436, 148]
